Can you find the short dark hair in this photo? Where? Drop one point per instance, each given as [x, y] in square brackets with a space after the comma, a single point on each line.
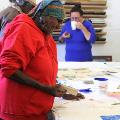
[77, 8]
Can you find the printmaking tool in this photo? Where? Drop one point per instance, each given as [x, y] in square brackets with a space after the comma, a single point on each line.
[101, 82]
[117, 103]
[88, 82]
[85, 90]
[101, 79]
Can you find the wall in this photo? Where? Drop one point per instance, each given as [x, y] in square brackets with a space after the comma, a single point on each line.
[3, 4]
[112, 46]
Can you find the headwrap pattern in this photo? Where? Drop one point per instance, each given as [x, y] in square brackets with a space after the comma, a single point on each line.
[51, 8]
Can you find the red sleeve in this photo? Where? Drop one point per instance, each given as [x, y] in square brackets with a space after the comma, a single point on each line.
[0, 46]
[19, 46]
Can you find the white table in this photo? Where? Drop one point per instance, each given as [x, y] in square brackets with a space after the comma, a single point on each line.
[96, 103]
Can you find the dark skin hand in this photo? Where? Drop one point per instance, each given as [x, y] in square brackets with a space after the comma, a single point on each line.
[58, 91]
[73, 97]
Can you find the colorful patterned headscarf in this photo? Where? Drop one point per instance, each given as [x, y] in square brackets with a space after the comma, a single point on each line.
[51, 8]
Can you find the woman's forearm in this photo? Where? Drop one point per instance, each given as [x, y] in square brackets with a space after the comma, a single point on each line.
[21, 78]
[86, 33]
[61, 38]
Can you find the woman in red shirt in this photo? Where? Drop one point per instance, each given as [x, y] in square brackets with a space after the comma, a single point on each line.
[28, 64]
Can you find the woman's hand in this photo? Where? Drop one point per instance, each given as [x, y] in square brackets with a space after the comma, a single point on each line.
[57, 91]
[85, 31]
[79, 25]
[73, 97]
[66, 35]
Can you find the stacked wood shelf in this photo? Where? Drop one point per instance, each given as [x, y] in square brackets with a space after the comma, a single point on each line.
[95, 10]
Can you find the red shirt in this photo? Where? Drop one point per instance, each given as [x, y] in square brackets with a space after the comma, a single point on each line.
[0, 46]
[26, 47]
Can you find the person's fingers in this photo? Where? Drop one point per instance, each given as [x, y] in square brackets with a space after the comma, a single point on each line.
[80, 96]
[61, 89]
[70, 97]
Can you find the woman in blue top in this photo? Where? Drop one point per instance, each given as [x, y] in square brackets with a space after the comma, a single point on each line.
[78, 41]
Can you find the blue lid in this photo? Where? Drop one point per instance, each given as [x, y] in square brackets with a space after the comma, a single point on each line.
[85, 90]
[101, 79]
